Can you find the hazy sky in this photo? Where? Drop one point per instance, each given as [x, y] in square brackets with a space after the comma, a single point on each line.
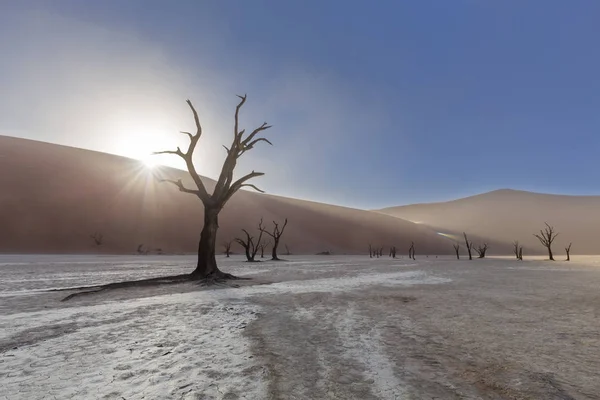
[373, 103]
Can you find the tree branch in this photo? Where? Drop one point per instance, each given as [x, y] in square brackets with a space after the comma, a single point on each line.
[177, 152]
[179, 184]
[252, 186]
[261, 128]
[187, 133]
[197, 121]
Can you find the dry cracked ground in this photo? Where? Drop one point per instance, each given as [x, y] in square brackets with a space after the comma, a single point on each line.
[318, 328]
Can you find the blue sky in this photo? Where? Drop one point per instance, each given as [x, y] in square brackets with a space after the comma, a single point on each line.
[373, 103]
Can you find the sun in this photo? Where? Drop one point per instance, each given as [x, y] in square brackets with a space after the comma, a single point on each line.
[150, 161]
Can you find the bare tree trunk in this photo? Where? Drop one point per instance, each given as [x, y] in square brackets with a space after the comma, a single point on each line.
[546, 237]
[521, 253]
[207, 264]
[456, 249]
[228, 248]
[469, 245]
[370, 251]
[568, 250]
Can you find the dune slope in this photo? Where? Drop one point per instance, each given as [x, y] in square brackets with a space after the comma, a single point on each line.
[54, 197]
[506, 215]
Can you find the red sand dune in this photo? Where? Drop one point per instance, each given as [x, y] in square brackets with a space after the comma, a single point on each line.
[54, 197]
[508, 215]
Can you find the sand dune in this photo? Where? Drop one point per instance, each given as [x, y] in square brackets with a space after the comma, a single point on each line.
[506, 215]
[54, 197]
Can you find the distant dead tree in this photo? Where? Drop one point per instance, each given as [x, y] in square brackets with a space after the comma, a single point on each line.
[469, 246]
[380, 253]
[568, 250]
[546, 237]
[98, 238]
[516, 248]
[287, 251]
[393, 251]
[225, 188]
[411, 251]
[456, 249]
[250, 246]
[227, 246]
[370, 251]
[263, 246]
[276, 235]
[141, 250]
[521, 253]
[481, 250]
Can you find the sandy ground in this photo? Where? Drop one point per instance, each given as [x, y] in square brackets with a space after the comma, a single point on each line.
[313, 327]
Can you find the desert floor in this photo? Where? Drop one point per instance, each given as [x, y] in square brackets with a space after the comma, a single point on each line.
[314, 327]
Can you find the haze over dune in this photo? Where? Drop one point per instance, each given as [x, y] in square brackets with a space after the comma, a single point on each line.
[506, 215]
[54, 197]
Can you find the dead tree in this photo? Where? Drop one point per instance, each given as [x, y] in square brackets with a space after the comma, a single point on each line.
[250, 246]
[380, 253]
[370, 251]
[568, 250]
[469, 246]
[227, 246]
[140, 249]
[393, 251]
[521, 253]
[456, 249]
[516, 248]
[98, 238]
[546, 237]
[411, 251]
[481, 250]
[263, 246]
[225, 188]
[276, 235]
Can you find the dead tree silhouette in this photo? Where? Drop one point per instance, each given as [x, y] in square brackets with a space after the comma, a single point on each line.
[98, 238]
[521, 253]
[546, 237]
[140, 249]
[225, 188]
[393, 251]
[516, 248]
[227, 246]
[411, 251]
[370, 251]
[481, 250]
[250, 246]
[276, 235]
[456, 249]
[469, 246]
[263, 246]
[206, 267]
[568, 250]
